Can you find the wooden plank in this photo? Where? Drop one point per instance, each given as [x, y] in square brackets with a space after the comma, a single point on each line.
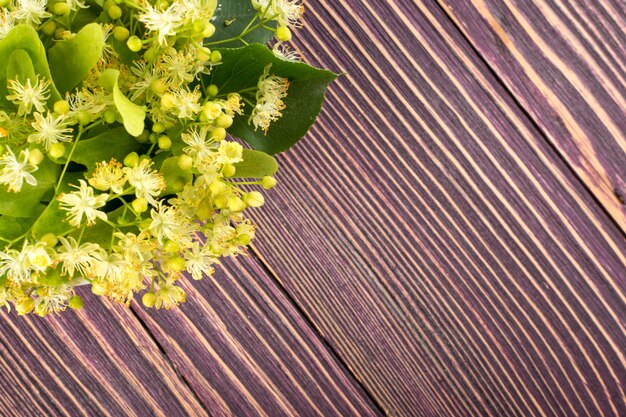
[565, 61]
[433, 236]
[96, 362]
[247, 352]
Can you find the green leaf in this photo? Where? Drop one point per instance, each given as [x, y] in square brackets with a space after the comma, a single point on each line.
[230, 19]
[52, 220]
[72, 59]
[115, 143]
[133, 115]
[14, 227]
[255, 164]
[20, 67]
[24, 37]
[26, 202]
[241, 69]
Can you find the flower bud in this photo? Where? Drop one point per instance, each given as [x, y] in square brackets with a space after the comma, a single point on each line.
[228, 170]
[283, 34]
[164, 142]
[49, 27]
[144, 137]
[235, 204]
[131, 160]
[145, 224]
[76, 302]
[57, 150]
[203, 54]
[50, 239]
[225, 121]
[114, 12]
[218, 134]
[185, 162]
[61, 107]
[168, 101]
[158, 86]
[158, 127]
[171, 247]
[217, 187]
[209, 30]
[61, 8]
[216, 56]
[268, 182]
[254, 199]
[176, 264]
[140, 205]
[84, 118]
[149, 299]
[109, 115]
[120, 33]
[134, 44]
[212, 90]
[35, 156]
[25, 306]
[244, 239]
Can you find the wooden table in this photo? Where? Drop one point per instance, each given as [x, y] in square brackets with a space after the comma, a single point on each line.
[447, 241]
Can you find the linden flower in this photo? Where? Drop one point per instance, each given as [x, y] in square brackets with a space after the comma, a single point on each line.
[27, 96]
[200, 149]
[148, 183]
[168, 223]
[164, 22]
[50, 130]
[77, 258]
[229, 152]
[271, 90]
[108, 176]
[14, 265]
[282, 51]
[178, 67]
[169, 296]
[199, 261]
[285, 12]
[134, 248]
[83, 203]
[183, 103]
[38, 259]
[52, 299]
[30, 11]
[15, 170]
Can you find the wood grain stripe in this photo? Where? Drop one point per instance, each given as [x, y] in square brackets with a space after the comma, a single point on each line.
[88, 365]
[443, 214]
[568, 89]
[240, 330]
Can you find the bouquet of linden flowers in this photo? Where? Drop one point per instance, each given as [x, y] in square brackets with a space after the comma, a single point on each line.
[116, 170]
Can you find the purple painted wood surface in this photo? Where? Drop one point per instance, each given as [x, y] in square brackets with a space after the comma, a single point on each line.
[432, 248]
[565, 62]
[433, 223]
[246, 351]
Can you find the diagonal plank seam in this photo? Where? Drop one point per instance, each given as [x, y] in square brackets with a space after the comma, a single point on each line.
[311, 325]
[169, 360]
[542, 133]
